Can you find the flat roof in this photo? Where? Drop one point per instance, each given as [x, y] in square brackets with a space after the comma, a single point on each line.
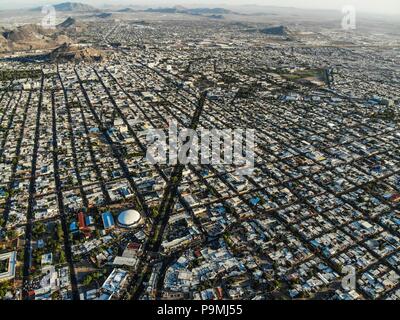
[12, 261]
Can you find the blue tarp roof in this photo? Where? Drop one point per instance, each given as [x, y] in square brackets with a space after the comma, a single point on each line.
[73, 226]
[108, 220]
[254, 201]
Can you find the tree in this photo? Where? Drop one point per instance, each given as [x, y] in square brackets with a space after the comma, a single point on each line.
[154, 213]
[55, 295]
[87, 281]
[59, 232]
[39, 229]
[4, 288]
[11, 234]
[62, 257]
[97, 233]
[70, 180]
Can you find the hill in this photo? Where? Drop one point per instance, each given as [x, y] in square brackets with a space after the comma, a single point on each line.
[70, 7]
[216, 16]
[214, 11]
[69, 22]
[126, 10]
[3, 43]
[193, 11]
[74, 53]
[29, 32]
[103, 15]
[275, 31]
[163, 10]
[30, 37]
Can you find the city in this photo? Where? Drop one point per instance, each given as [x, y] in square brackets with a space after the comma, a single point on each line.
[85, 216]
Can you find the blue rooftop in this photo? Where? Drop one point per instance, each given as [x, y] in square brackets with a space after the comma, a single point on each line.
[255, 200]
[108, 220]
[221, 209]
[73, 226]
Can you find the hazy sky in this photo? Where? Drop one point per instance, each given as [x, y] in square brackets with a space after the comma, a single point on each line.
[374, 6]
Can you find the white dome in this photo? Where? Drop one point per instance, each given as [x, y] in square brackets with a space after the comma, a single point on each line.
[128, 218]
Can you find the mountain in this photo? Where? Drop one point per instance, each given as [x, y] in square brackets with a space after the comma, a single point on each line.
[3, 43]
[275, 31]
[70, 22]
[193, 11]
[70, 7]
[182, 8]
[30, 37]
[74, 7]
[216, 16]
[163, 10]
[28, 32]
[68, 53]
[214, 11]
[126, 10]
[103, 15]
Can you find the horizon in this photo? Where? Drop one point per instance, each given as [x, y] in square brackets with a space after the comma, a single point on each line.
[386, 7]
[199, 151]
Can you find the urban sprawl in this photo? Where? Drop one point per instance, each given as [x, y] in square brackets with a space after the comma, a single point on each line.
[84, 215]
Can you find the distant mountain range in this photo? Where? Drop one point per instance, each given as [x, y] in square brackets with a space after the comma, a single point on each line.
[126, 10]
[103, 15]
[193, 11]
[216, 16]
[214, 13]
[275, 31]
[70, 7]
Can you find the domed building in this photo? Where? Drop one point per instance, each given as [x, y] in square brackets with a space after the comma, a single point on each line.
[129, 219]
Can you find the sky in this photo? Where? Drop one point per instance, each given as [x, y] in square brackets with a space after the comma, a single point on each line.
[371, 6]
